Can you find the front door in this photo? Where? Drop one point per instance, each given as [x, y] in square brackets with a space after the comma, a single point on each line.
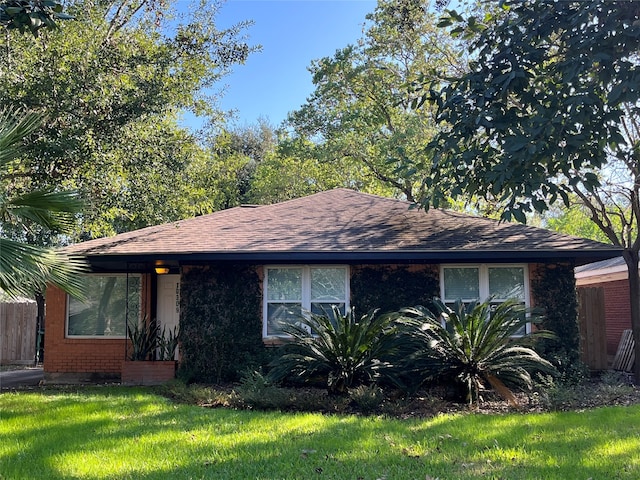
[168, 304]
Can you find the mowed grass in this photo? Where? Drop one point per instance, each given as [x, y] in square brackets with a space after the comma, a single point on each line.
[121, 433]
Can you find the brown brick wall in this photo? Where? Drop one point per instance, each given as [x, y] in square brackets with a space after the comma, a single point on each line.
[76, 355]
[617, 308]
[81, 355]
[147, 373]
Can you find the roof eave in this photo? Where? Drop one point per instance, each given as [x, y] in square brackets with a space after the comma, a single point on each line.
[577, 257]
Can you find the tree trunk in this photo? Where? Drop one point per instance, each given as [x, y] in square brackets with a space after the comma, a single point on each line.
[631, 258]
[39, 328]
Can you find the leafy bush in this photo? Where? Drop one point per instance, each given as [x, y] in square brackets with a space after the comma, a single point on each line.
[476, 345]
[367, 398]
[256, 391]
[342, 350]
[196, 394]
[167, 343]
[611, 388]
[569, 369]
[614, 378]
[554, 290]
[148, 342]
[388, 289]
[144, 340]
[220, 323]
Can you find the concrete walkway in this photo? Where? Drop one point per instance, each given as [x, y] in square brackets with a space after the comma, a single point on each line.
[23, 377]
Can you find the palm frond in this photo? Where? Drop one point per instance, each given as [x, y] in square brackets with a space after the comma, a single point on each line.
[25, 269]
[476, 343]
[344, 350]
[50, 209]
[15, 125]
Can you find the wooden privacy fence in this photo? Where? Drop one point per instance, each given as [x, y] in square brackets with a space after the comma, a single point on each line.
[593, 329]
[17, 332]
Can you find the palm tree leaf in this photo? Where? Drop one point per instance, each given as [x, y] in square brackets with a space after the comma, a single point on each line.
[474, 343]
[52, 210]
[14, 127]
[25, 269]
[344, 349]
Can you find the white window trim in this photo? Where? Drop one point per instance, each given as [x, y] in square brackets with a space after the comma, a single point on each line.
[306, 291]
[483, 274]
[100, 337]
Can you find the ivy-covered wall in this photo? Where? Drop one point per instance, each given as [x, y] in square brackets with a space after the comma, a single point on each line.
[220, 322]
[389, 288]
[554, 293]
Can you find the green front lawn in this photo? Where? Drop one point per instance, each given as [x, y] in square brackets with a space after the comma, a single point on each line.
[119, 433]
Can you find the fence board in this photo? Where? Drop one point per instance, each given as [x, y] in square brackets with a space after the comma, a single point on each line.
[17, 332]
[626, 355]
[593, 329]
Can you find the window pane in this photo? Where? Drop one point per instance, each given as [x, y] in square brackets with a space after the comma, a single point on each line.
[104, 311]
[328, 284]
[279, 314]
[284, 284]
[325, 308]
[506, 282]
[461, 283]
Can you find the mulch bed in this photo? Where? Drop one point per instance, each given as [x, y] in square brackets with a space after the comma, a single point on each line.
[592, 393]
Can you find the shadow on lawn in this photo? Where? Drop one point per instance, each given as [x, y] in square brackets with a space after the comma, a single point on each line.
[128, 433]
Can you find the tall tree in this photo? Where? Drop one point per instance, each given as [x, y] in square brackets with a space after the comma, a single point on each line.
[360, 112]
[289, 171]
[113, 85]
[548, 109]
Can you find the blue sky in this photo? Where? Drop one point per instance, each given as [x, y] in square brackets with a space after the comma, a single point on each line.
[292, 33]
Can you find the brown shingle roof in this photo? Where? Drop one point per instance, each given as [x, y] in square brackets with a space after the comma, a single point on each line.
[344, 221]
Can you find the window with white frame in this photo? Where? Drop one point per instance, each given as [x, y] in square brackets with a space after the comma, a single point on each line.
[292, 291]
[111, 301]
[481, 282]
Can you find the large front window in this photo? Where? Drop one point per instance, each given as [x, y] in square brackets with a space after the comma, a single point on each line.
[110, 302]
[292, 291]
[481, 282]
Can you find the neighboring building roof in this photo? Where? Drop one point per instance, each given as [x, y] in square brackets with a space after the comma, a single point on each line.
[603, 265]
[342, 225]
[609, 270]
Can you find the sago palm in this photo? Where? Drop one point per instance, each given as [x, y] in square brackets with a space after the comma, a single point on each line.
[343, 350]
[476, 345]
[26, 268]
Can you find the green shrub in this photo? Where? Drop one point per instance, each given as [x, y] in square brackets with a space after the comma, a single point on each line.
[256, 391]
[569, 369]
[475, 345]
[196, 394]
[367, 398]
[343, 350]
[611, 388]
[388, 289]
[614, 378]
[144, 340]
[168, 343]
[220, 323]
[554, 290]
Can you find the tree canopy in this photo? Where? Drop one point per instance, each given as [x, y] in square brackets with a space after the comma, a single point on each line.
[547, 111]
[361, 113]
[31, 15]
[113, 84]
